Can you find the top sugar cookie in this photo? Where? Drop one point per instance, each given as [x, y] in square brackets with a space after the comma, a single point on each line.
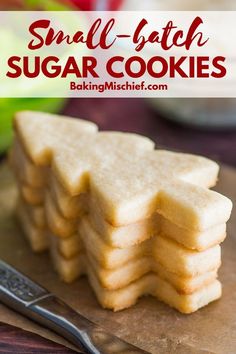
[126, 178]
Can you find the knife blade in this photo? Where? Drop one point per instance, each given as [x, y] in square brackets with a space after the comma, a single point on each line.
[22, 294]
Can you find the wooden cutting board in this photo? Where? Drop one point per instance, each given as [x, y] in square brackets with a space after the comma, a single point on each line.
[149, 324]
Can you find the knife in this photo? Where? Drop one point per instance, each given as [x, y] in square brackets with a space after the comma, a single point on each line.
[30, 299]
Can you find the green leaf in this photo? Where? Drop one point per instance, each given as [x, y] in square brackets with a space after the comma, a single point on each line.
[9, 106]
[47, 5]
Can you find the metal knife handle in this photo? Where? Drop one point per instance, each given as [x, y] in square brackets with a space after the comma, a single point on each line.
[25, 296]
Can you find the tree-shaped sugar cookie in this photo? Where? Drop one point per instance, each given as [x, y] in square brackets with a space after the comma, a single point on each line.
[137, 210]
[126, 177]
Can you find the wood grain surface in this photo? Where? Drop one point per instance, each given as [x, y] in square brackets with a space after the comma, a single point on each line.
[17, 341]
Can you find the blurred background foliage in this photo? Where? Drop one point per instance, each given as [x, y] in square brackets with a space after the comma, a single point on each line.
[8, 106]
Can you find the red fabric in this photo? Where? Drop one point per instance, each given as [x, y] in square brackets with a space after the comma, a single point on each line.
[88, 5]
[85, 5]
[114, 4]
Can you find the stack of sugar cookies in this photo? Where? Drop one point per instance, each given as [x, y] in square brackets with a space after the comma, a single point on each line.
[134, 219]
